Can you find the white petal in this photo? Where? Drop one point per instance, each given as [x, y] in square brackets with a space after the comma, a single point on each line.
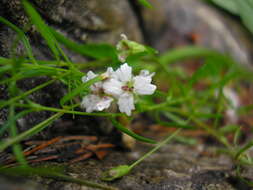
[232, 97]
[124, 73]
[126, 103]
[90, 75]
[145, 73]
[110, 73]
[95, 103]
[113, 87]
[104, 103]
[143, 86]
[89, 102]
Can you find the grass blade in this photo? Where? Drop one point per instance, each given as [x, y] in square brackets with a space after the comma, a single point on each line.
[145, 3]
[42, 27]
[96, 51]
[130, 133]
[78, 90]
[36, 129]
[49, 173]
[25, 40]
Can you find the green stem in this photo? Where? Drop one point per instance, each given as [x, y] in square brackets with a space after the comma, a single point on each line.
[17, 149]
[169, 138]
[28, 171]
[37, 128]
[11, 101]
[38, 107]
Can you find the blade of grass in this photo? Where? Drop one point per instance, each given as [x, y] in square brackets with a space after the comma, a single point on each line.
[145, 3]
[130, 133]
[78, 90]
[244, 149]
[49, 173]
[42, 27]
[37, 107]
[97, 51]
[189, 52]
[16, 148]
[16, 98]
[159, 145]
[16, 117]
[122, 170]
[25, 40]
[30, 132]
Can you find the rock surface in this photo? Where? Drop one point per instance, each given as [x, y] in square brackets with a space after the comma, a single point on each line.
[174, 167]
[171, 23]
[186, 22]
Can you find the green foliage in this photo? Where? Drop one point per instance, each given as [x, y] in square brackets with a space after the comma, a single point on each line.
[42, 28]
[177, 103]
[145, 3]
[130, 133]
[229, 5]
[116, 173]
[21, 35]
[55, 173]
[120, 171]
[82, 88]
[97, 51]
[242, 8]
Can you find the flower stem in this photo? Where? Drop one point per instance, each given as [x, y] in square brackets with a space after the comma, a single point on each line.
[169, 138]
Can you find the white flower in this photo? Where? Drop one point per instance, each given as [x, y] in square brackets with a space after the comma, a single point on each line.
[234, 103]
[97, 100]
[123, 86]
[126, 103]
[94, 102]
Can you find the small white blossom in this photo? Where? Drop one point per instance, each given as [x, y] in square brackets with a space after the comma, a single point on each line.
[123, 86]
[94, 102]
[126, 103]
[97, 100]
[234, 103]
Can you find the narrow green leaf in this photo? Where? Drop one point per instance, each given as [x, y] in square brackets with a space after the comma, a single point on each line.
[212, 67]
[245, 8]
[130, 133]
[97, 51]
[145, 3]
[52, 173]
[25, 40]
[244, 149]
[17, 116]
[78, 90]
[116, 173]
[190, 52]
[4, 69]
[16, 147]
[30, 132]
[176, 119]
[122, 170]
[229, 129]
[229, 5]
[42, 27]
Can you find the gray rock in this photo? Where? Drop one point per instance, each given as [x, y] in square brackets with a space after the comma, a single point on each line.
[177, 21]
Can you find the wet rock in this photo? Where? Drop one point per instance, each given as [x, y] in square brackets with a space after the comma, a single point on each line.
[84, 22]
[14, 183]
[186, 22]
[174, 167]
[171, 23]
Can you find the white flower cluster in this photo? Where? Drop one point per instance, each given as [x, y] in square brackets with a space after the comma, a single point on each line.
[119, 85]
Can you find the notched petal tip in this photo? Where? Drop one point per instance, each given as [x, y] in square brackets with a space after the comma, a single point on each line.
[124, 73]
[90, 75]
[126, 103]
[95, 103]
